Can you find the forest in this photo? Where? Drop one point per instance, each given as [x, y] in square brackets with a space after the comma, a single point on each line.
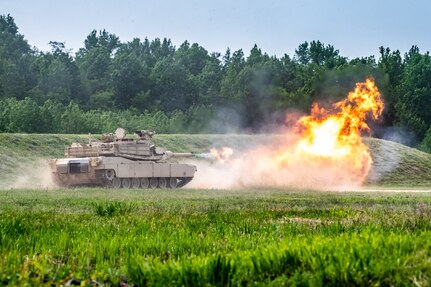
[153, 84]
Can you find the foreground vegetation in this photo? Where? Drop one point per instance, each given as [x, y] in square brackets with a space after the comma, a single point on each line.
[214, 237]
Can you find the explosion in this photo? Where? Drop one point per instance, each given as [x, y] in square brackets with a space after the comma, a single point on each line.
[323, 151]
[333, 140]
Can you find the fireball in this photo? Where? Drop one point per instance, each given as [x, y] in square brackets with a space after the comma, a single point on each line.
[330, 140]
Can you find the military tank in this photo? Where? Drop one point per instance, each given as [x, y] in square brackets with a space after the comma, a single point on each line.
[120, 162]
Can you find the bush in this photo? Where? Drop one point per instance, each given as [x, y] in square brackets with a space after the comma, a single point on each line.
[26, 116]
[109, 209]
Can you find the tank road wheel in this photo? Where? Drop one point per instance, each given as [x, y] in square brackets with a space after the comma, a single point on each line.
[136, 182]
[163, 183]
[109, 174]
[116, 182]
[154, 182]
[125, 182]
[184, 180]
[145, 182]
[173, 182]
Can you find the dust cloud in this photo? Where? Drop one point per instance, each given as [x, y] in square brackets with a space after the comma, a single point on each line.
[36, 175]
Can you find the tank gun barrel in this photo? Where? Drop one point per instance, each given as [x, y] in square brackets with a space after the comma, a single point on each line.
[169, 154]
[183, 154]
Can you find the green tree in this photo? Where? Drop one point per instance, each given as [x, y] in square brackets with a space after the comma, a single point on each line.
[415, 97]
[129, 79]
[173, 87]
[59, 78]
[260, 81]
[193, 57]
[161, 49]
[317, 53]
[230, 89]
[290, 88]
[315, 60]
[17, 76]
[209, 81]
[95, 64]
[392, 65]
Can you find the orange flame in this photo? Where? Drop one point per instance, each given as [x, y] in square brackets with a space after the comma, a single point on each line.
[334, 140]
[221, 155]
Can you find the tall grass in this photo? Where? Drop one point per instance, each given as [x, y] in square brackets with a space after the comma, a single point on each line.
[214, 238]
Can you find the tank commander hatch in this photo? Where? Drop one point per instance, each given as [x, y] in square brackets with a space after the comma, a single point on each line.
[143, 134]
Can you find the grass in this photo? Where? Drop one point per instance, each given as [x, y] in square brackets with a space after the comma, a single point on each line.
[397, 165]
[214, 237]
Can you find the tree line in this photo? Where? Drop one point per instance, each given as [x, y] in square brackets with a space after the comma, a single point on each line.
[153, 84]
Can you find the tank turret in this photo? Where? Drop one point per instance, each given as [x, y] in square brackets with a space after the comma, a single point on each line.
[119, 161]
[141, 148]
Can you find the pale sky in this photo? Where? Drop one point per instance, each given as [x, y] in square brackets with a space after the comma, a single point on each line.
[356, 28]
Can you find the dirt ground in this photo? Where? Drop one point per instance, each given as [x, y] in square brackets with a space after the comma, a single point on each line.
[395, 189]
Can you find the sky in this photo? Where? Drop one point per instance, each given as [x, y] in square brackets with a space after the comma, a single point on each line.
[355, 28]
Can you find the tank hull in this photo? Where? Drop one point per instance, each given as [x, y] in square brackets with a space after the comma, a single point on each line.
[120, 172]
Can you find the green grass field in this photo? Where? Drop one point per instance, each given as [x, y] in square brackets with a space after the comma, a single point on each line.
[192, 237]
[214, 237]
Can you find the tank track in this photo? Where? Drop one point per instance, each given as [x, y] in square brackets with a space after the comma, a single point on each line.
[116, 182]
[143, 183]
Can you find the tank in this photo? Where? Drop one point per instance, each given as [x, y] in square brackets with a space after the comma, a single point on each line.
[120, 162]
